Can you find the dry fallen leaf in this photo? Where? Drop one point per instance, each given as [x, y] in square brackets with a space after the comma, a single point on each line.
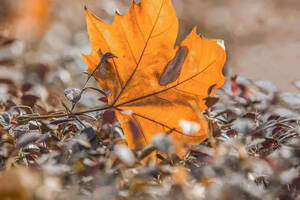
[152, 83]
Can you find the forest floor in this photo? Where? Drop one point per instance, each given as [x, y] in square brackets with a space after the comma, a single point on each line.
[254, 152]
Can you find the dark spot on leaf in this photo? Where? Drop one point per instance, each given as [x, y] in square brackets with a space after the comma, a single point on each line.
[172, 70]
[137, 134]
[134, 128]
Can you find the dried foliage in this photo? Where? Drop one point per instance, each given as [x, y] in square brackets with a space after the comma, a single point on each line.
[252, 151]
[52, 149]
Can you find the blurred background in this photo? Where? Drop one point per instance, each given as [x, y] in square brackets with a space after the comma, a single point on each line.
[262, 37]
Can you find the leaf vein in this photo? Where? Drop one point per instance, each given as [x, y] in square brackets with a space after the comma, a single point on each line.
[141, 56]
[168, 88]
[129, 46]
[164, 125]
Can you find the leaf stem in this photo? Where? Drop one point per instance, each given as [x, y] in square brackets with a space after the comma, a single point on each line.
[29, 118]
[104, 58]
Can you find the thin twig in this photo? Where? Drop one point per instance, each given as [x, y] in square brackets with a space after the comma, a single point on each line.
[29, 118]
[70, 112]
[104, 58]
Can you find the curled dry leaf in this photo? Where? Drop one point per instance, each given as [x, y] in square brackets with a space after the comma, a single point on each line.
[28, 138]
[152, 79]
[73, 94]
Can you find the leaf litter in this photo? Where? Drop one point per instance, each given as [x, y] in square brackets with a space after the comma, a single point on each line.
[255, 153]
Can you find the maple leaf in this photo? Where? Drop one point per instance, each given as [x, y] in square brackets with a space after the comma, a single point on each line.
[151, 82]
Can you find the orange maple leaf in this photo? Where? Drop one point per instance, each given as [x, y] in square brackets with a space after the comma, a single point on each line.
[151, 83]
